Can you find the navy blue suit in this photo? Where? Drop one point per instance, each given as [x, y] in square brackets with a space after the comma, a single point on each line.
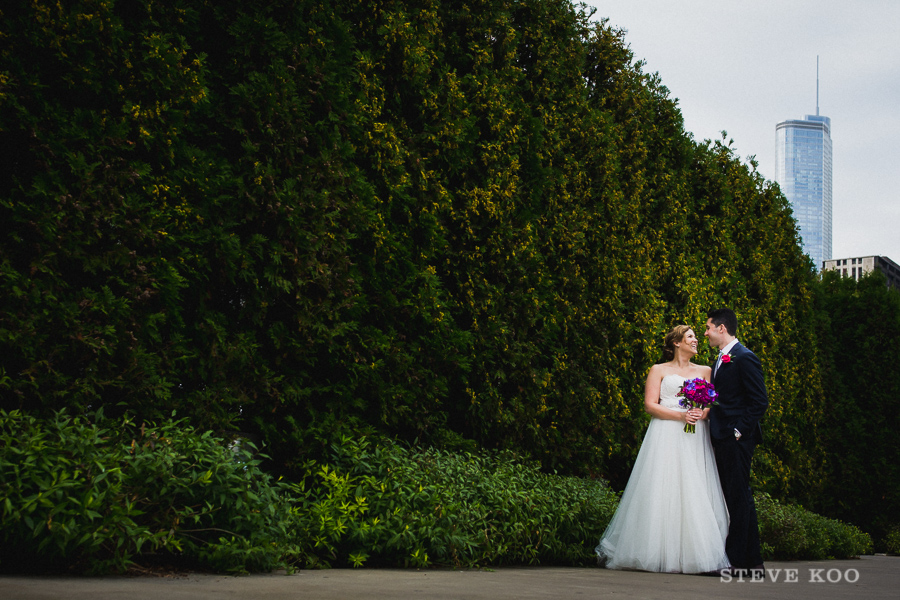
[742, 402]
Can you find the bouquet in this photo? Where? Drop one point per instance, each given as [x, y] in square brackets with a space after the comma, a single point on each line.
[697, 393]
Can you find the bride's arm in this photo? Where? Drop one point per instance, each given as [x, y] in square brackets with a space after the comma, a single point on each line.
[651, 400]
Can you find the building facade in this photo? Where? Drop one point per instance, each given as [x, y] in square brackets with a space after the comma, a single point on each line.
[857, 267]
[803, 171]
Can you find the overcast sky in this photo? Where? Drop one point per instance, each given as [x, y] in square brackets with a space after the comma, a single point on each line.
[743, 67]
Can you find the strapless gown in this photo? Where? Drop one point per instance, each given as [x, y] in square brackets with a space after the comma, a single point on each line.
[672, 516]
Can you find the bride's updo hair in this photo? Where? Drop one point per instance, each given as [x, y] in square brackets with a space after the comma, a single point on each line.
[672, 338]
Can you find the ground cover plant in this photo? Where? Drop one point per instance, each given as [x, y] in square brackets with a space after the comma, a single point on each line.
[389, 505]
[791, 532]
[97, 495]
[94, 495]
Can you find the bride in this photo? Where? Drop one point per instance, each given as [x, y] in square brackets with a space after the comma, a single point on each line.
[672, 516]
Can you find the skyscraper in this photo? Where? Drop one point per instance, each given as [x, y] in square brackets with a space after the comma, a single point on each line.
[803, 171]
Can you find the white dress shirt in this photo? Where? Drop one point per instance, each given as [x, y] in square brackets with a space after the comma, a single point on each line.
[725, 350]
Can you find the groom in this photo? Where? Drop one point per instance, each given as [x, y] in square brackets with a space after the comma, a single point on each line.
[735, 430]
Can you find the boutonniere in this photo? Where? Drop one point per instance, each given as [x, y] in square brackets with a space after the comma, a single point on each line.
[726, 358]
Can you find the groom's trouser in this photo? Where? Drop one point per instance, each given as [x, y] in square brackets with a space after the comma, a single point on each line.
[733, 462]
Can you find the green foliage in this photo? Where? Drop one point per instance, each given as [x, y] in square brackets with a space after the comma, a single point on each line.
[790, 532]
[95, 495]
[386, 505]
[98, 496]
[176, 206]
[62, 495]
[891, 542]
[860, 323]
[477, 217]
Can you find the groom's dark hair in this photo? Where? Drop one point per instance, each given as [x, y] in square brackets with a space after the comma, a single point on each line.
[724, 316]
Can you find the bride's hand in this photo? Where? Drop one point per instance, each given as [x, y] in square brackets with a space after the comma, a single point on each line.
[693, 415]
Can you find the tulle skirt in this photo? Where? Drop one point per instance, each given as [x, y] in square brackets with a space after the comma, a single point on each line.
[672, 516]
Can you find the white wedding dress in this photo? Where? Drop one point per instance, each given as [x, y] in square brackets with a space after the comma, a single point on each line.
[672, 516]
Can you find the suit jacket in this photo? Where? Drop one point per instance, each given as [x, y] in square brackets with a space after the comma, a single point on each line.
[742, 394]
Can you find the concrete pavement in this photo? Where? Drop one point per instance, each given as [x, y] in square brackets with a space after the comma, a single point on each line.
[868, 577]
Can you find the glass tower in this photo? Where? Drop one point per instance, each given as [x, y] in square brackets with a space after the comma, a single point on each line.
[803, 171]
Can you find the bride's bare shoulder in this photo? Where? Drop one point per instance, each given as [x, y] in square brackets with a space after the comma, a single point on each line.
[658, 371]
[703, 370]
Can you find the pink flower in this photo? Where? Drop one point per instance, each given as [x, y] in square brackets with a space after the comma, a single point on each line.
[726, 358]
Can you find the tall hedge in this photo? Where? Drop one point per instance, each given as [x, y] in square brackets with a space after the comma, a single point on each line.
[859, 330]
[440, 220]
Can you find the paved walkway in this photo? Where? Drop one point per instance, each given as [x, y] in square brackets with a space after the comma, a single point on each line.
[868, 577]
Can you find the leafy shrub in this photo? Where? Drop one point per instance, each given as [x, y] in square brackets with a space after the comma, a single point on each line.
[93, 495]
[62, 495]
[221, 510]
[779, 527]
[97, 495]
[791, 532]
[891, 541]
[394, 506]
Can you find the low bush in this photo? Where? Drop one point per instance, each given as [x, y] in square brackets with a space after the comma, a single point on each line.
[91, 495]
[387, 505]
[96, 495]
[790, 532]
[891, 541]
